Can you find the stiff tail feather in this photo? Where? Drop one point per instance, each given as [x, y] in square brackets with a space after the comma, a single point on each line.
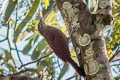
[76, 67]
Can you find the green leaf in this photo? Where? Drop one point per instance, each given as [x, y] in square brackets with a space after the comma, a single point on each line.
[114, 70]
[51, 19]
[48, 64]
[37, 51]
[117, 23]
[7, 56]
[63, 71]
[76, 78]
[1, 57]
[108, 39]
[49, 9]
[35, 54]
[117, 78]
[11, 67]
[10, 9]
[36, 38]
[40, 67]
[116, 8]
[46, 3]
[28, 47]
[115, 46]
[27, 19]
[42, 44]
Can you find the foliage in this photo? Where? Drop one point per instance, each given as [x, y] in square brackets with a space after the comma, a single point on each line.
[21, 22]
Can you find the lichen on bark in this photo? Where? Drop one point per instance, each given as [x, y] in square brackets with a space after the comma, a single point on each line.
[80, 22]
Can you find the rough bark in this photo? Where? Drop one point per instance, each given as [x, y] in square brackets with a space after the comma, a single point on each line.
[87, 35]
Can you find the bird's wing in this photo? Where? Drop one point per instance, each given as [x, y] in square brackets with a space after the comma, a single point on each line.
[61, 46]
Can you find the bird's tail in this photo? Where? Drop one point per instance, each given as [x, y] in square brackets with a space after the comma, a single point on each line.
[76, 67]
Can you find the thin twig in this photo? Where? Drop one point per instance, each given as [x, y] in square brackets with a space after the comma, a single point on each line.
[117, 52]
[116, 60]
[10, 44]
[14, 41]
[17, 49]
[58, 64]
[2, 35]
[35, 61]
[115, 65]
[3, 40]
[18, 55]
[71, 77]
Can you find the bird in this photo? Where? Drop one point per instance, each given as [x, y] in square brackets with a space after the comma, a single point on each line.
[58, 42]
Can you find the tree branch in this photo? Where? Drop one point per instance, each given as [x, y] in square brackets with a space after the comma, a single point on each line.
[14, 41]
[104, 7]
[71, 77]
[10, 44]
[117, 52]
[3, 40]
[116, 60]
[105, 11]
[35, 60]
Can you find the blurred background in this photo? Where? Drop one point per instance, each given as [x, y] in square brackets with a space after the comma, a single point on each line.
[20, 41]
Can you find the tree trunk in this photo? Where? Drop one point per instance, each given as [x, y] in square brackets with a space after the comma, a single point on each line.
[87, 35]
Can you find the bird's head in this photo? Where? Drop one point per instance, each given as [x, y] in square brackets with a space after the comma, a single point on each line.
[41, 25]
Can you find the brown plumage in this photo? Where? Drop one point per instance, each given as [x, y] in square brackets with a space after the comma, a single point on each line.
[58, 42]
